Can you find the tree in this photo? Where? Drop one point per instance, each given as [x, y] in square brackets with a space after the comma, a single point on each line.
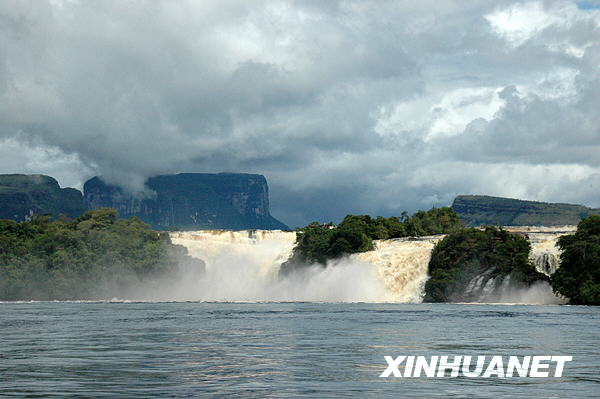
[465, 254]
[578, 277]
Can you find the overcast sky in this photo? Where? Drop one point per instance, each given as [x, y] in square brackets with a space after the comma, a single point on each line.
[346, 107]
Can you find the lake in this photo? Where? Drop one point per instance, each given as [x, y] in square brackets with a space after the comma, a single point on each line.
[284, 350]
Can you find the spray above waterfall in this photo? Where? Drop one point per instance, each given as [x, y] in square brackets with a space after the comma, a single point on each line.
[244, 266]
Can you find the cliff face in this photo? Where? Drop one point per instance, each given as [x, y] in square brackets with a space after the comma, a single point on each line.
[22, 196]
[476, 210]
[192, 201]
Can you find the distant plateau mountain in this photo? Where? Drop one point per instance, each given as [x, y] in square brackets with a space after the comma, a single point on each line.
[186, 201]
[477, 210]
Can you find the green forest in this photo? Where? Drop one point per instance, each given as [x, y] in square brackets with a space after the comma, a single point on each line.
[94, 256]
[467, 253]
[578, 277]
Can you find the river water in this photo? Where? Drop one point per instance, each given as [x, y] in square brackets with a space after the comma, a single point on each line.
[283, 350]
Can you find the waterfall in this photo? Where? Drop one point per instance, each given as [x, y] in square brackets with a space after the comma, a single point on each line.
[262, 251]
[545, 254]
[402, 265]
[244, 266]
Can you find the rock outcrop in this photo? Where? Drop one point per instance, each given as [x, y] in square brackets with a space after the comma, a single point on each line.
[23, 196]
[191, 201]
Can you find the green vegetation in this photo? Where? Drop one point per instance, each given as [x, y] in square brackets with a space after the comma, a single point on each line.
[481, 210]
[318, 243]
[578, 277]
[95, 256]
[492, 253]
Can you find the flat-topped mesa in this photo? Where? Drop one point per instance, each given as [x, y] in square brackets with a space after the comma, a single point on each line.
[23, 196]
[477, 210]
[192, 201]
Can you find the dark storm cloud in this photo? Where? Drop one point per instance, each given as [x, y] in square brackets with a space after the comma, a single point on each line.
[345, 106]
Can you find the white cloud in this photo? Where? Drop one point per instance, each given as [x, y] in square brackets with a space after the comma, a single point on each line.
[439, 114]
[554, 24]
[459, 107]
[520, 22]
[36, 158]
[552, 84]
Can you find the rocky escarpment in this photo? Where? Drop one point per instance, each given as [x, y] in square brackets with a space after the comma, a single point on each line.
[191, 201]
[478, 210]
[23, 196]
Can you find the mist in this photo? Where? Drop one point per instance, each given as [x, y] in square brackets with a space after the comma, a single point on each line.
[539, 293]
[233, 279]
[244, 266]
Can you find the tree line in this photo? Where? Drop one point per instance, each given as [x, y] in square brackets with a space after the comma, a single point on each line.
[94, 256]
